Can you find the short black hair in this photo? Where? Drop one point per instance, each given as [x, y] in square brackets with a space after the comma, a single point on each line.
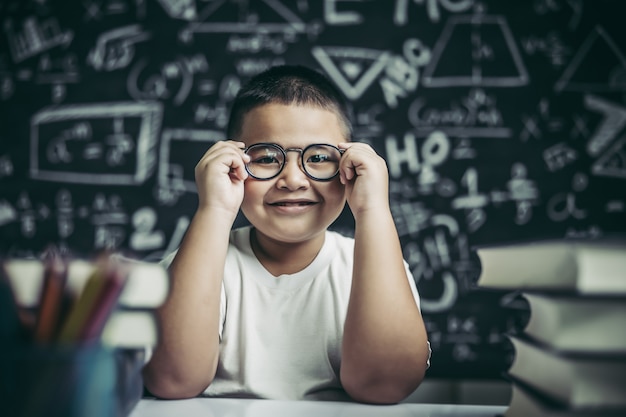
[288, 84]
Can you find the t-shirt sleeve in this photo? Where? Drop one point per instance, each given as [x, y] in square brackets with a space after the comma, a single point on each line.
[412, 284]
[167, 260]
[222, 310]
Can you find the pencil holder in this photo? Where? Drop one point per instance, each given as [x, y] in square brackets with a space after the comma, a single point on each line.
[91, 381]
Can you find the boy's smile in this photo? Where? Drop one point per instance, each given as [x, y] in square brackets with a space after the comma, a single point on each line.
[295, 205]
[292, 207]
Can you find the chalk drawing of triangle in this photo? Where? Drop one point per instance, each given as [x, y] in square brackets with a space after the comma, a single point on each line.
[352, 69]
[598, 66]
[613, 162]
[180, 9]
[236, 16]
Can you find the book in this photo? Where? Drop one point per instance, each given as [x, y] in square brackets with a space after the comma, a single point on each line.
[574, 380]
[578, 324]
[525, 402]
[130, 329]
[147, 284]
[591, 267]
[16, 324]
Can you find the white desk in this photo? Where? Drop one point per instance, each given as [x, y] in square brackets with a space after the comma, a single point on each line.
[226, 407]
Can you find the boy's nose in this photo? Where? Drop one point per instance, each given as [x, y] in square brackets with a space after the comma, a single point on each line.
[292, 176]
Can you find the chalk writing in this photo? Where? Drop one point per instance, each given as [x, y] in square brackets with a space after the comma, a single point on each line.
[62, 137]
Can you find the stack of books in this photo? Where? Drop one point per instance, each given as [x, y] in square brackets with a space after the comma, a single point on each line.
[110, 300]
[570, 359]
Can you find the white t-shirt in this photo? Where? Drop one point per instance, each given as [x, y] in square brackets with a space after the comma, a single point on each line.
[280, 337]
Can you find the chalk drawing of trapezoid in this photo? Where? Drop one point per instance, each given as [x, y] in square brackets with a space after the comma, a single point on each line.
[598, 66]
[352, 69]
[475, 51]
[613, 162]
[244, 16]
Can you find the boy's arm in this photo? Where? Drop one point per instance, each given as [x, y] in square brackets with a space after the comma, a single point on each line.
[184, 361]
[384, 349]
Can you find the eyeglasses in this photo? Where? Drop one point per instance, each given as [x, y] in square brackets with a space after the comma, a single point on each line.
[319, 162]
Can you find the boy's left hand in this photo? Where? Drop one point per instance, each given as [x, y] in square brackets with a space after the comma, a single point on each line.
[364, 173]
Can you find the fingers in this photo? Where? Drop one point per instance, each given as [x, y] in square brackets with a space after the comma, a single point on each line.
[226, 157]
[238, 164]
[356, 160]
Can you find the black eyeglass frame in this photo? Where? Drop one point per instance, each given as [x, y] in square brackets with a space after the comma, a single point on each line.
[302, 151]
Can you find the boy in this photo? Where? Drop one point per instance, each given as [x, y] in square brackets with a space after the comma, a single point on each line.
[285, 309]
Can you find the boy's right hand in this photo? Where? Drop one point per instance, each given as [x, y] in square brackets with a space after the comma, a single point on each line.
[220, 176]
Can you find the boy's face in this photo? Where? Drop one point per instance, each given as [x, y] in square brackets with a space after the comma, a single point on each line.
[292, 207]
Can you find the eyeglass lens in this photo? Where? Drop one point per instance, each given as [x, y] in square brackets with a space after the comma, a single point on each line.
[318, 161]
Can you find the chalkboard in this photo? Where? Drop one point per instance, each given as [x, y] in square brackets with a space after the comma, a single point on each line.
[500, 121]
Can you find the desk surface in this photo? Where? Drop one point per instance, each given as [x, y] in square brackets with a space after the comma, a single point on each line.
[219, 407]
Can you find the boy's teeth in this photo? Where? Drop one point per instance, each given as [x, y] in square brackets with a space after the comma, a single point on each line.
[292, 204]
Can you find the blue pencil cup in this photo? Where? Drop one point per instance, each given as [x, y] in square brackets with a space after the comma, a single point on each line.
[91, 381]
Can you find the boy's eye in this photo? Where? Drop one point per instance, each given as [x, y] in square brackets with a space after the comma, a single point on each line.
[266, 160]
[318, 158]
